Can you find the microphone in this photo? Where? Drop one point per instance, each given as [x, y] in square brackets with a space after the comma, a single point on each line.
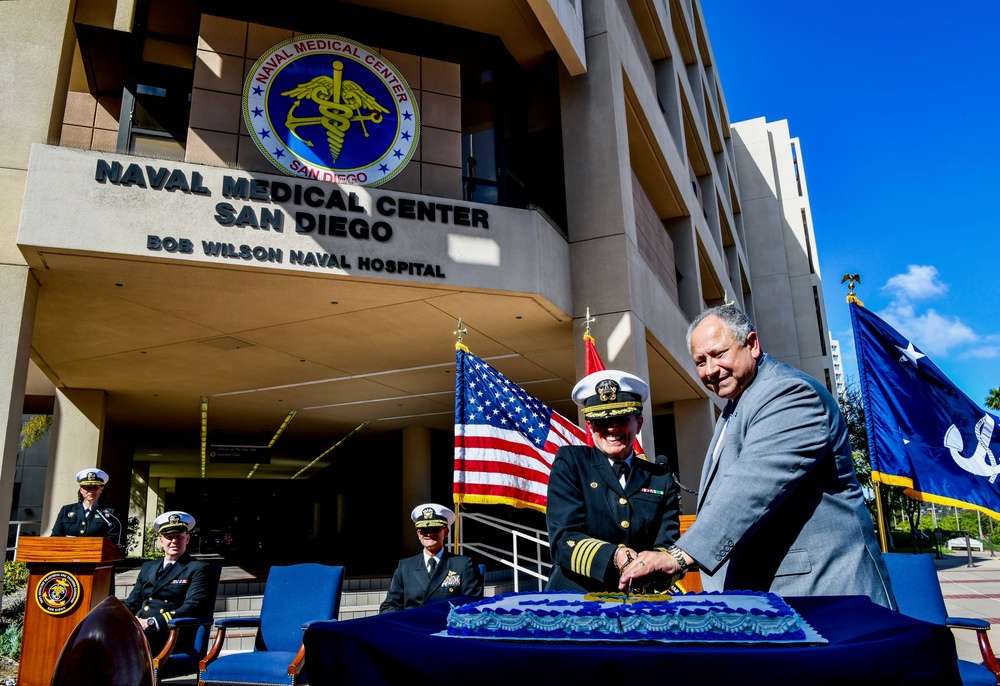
[108, 513]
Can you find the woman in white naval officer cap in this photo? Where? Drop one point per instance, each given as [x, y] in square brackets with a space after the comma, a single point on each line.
[433, 574]
[606, 503]
[89, 516]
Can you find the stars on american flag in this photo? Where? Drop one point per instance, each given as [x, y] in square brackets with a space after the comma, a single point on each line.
[505, 439]
[493, 399]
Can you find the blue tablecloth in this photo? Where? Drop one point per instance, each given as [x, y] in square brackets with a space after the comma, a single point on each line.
[868, 644]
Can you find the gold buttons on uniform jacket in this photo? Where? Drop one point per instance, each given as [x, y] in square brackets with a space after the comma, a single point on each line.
[593, 484]
[622, 501]
[625, 524]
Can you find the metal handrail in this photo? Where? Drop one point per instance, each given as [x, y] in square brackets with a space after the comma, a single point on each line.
[17, 533]
[531, 566]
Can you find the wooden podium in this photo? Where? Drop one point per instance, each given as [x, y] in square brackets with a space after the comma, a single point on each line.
[67, 578]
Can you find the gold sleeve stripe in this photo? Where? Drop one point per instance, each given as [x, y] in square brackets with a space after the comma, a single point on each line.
[168, 616]
[582, 559]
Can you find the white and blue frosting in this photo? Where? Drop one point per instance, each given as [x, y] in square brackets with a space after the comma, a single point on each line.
[568, 615]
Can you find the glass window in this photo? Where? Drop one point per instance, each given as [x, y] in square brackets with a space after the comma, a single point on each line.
[162, 100]
[479, 166]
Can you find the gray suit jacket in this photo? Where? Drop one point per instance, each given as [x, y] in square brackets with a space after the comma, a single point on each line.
[781, 510]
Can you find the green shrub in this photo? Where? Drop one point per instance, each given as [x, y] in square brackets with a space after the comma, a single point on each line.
[150, 549]
[15, 576]
[13, 610]
[10, 640]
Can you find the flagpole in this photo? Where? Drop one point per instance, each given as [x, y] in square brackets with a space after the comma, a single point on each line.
[457, 545]
[882, 540]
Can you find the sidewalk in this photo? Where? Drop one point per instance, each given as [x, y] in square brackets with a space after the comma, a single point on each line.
[971, 592]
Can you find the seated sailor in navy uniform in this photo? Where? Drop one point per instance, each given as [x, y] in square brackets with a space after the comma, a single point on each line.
[89, 516]
[434, 574]
[175, 586]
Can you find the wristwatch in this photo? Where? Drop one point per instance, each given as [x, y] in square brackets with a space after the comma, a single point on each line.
[678, 555]
[151, 623]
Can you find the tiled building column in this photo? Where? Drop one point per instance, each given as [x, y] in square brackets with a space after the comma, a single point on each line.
[18, 294]
[77, 435]
[31, 113]
[695, 423]
[416, 481]
[601, 212]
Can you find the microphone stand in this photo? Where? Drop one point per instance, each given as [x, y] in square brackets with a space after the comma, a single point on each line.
[104, 515]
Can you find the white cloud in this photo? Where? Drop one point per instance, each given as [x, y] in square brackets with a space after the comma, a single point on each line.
[918, 283]
[988, 349]
[986, 352]
[932, 333]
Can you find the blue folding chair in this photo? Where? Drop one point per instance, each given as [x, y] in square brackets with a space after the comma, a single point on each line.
[294, 597]
[918, 595]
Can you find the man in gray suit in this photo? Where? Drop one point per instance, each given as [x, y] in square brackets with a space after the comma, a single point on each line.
[779, 506]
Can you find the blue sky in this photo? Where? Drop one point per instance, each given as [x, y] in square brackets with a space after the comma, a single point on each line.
[896, 108]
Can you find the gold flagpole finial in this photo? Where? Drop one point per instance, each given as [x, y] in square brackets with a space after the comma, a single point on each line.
[850, 280]
[460, 331]
[725, 299]
[587, 321]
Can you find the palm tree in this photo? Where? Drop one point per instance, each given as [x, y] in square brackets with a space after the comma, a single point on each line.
[993, 399]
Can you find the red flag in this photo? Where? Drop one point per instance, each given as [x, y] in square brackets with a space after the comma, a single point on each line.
[505, 439]
[594, 363]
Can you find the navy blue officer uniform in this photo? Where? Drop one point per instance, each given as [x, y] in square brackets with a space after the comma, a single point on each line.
[589, 514]
[77, 520]
[413, 585]
[164, 592]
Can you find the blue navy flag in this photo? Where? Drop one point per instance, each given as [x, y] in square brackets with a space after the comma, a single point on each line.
[923, 432]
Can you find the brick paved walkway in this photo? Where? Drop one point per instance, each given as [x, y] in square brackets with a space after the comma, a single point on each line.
[971, 592]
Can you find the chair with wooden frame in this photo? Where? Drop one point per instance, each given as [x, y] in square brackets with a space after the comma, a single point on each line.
[918, 594]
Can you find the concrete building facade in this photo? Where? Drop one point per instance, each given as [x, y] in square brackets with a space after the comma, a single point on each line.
[179, 306]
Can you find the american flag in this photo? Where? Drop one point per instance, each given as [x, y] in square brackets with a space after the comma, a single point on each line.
[505, 439]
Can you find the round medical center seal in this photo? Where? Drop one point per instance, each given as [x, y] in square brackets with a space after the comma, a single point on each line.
[58, 593]
[328, 108]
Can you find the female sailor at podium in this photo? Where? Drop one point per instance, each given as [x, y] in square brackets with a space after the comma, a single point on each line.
[89, 516]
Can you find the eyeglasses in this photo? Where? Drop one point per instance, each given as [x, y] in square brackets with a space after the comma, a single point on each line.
[431, 530]
[172, 537]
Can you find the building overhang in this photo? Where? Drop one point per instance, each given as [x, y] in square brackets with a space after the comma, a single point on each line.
[163, 283]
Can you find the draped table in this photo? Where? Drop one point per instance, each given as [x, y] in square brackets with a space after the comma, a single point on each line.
[867, 644]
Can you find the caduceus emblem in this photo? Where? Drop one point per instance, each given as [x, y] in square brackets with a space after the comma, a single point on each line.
[340, 101]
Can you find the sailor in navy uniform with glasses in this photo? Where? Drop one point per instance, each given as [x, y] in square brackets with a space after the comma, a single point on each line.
[174, 586]
[434, 574]
[89, 516]
[605, 503]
